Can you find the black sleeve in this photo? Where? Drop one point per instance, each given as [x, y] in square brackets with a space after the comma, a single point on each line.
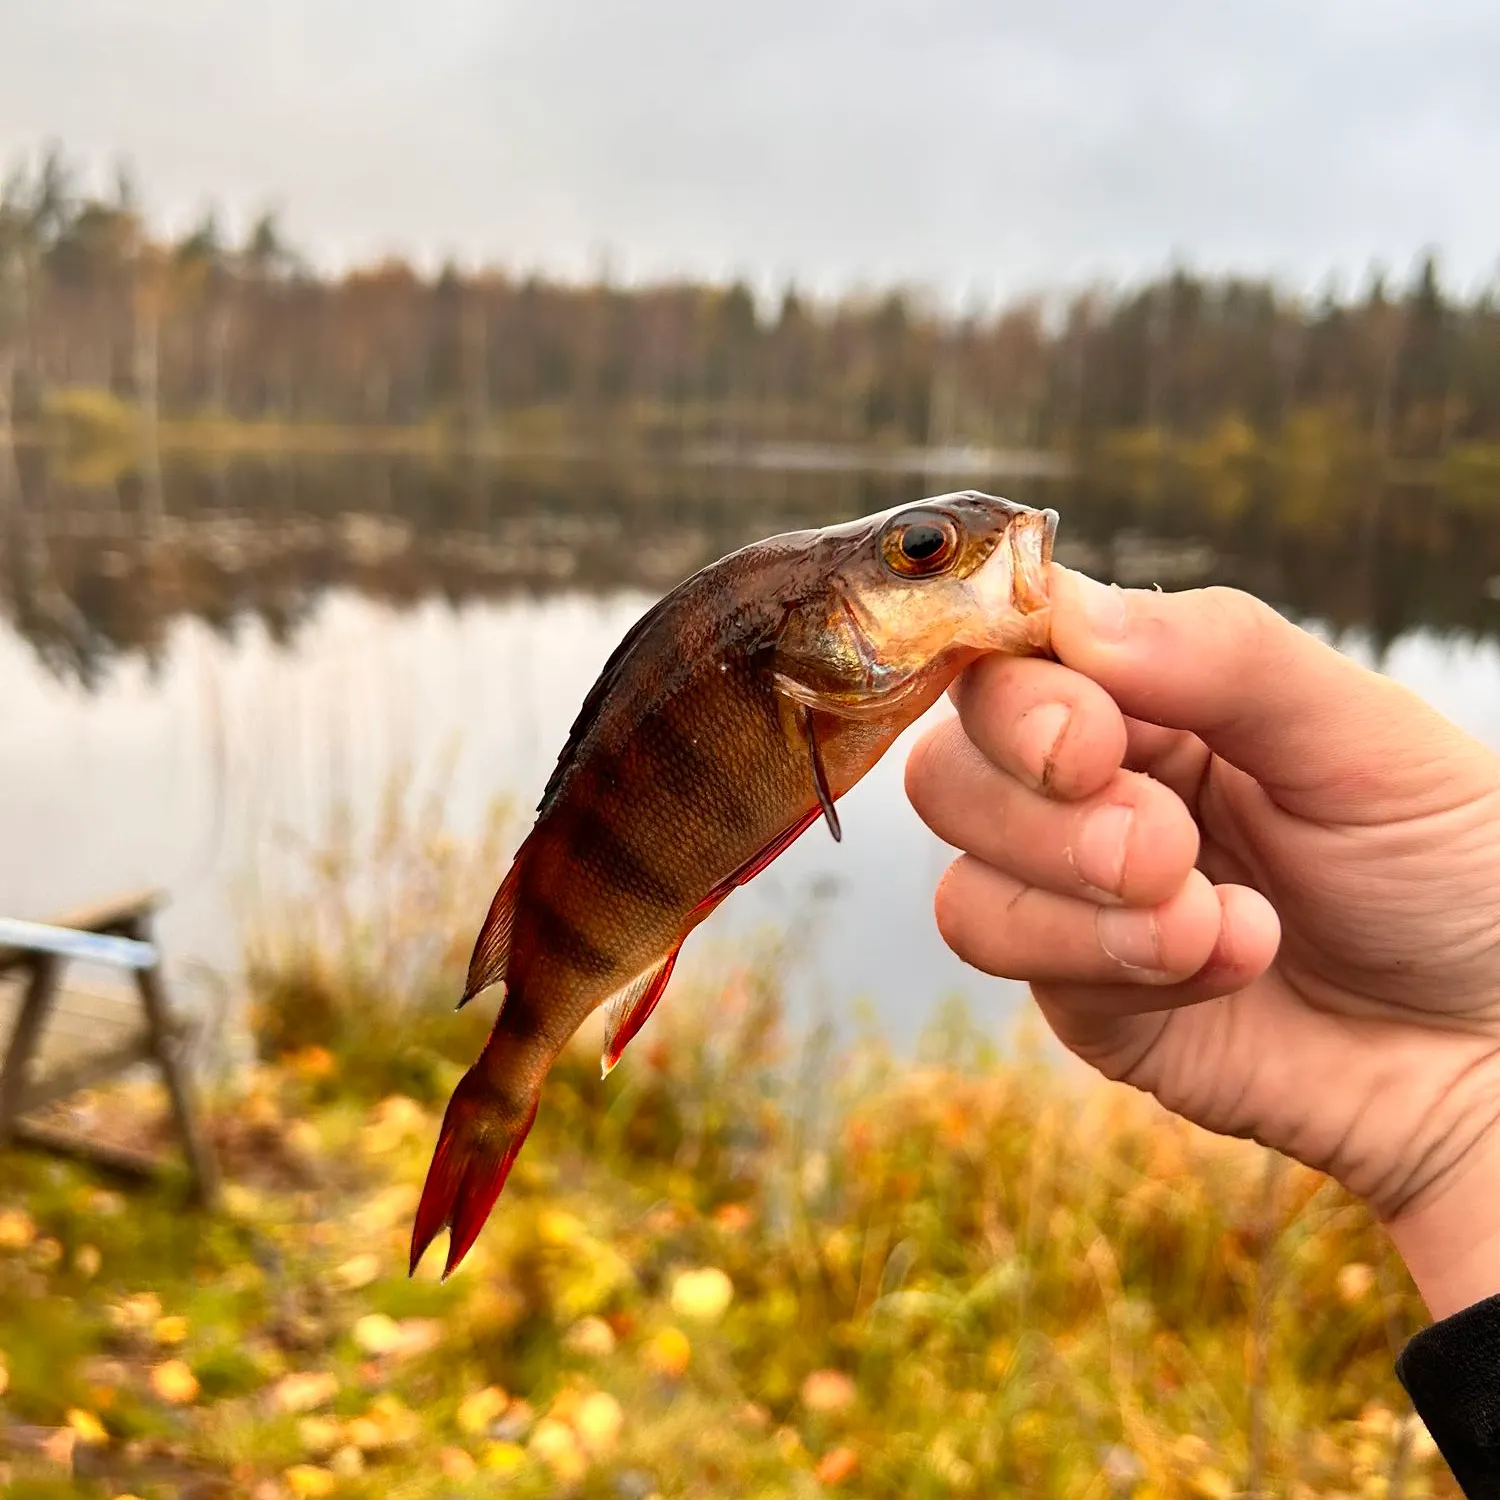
[1451, 1371]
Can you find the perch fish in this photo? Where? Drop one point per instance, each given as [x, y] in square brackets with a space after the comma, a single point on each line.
[730, 718]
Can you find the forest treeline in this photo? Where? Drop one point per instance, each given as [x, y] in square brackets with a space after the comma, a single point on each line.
[244, 329]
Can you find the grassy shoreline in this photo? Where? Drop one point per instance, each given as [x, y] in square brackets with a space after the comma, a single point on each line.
[733, 1268]
[100, 431]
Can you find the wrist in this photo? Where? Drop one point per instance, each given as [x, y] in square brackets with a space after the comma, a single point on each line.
[1450, 1238]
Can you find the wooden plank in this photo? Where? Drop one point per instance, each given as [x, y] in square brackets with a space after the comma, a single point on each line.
[75, 943]
[114, 913]
[119, 914]
[84, 1073]
[88, 1148]
[15, 1070]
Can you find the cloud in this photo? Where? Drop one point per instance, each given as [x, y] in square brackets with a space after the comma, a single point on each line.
[978, 146]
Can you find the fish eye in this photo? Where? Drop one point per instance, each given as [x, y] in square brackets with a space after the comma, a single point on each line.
[920, 544]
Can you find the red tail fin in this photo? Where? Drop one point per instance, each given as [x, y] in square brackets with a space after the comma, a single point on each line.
[482, 1132]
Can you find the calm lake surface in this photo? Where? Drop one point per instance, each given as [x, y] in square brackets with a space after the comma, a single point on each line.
[188, 686]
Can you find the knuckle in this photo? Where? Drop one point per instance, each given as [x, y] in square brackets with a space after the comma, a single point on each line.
[1236, 615]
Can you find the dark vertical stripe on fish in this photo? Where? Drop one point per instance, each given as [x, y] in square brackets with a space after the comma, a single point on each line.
[690, 776]
[593, 839]
[564, 939]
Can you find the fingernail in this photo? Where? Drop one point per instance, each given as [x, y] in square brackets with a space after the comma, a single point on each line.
[1103, 607]
[1128, 937]
[1098, 849]
[1038, 735]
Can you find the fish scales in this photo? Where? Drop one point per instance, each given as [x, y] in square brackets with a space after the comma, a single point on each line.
[733, 714]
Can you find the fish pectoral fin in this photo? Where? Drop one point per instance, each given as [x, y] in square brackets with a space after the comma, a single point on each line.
[820, 776]
[492, 948]
[627, 1009]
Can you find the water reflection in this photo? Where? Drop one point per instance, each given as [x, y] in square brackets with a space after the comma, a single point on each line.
[181, 688]
[91, 574]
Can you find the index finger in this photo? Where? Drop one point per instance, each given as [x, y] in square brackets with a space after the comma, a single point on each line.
[1043, 723]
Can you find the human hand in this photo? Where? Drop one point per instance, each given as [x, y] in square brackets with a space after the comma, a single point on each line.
[1253, 878]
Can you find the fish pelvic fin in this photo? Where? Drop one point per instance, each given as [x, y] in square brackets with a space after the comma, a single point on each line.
[483, 1131]
[492, 948]
[629, 1008]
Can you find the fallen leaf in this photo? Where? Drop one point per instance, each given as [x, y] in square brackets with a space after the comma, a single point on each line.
[175, 1383]
[357, 1272]
[302, 1136]
[591, 1337]
[4, 1375]
[320, 1435]
[837, 1465]
[478, 1410]
[366, 1434]
[140, 1312]
[307, 1481]
[702, 1295]
[313, 1062]
[89, 1429]
[58, 1447]
[17, 1229]
[598, 1421]
[1213, 1484]
[733, 1218]
[555, 1227]
[170, 1330]
[304, 1390]
[504, 1458]
[668, 1353]
[828, 1390]
[377, 1334]
[554, 1444]
[348, 1462]
[456, 1465]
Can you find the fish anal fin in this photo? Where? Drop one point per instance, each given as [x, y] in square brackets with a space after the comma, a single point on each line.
[629, 1008]
[492, 948]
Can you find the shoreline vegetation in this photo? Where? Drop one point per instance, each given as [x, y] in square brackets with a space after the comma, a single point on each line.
[104, 437]
[746, 1264]
[226, 339]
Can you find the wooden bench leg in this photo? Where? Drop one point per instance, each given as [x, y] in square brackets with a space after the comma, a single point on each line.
[166, 1051]
[16, 1069]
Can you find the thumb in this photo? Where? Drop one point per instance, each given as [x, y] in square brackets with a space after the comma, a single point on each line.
[1327, 737]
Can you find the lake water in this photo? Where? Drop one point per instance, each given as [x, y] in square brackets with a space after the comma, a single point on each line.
[186, 685]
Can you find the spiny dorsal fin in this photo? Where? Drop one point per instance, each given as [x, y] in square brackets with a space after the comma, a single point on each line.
[593, 703]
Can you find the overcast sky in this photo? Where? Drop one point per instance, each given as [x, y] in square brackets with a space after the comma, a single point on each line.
[979, 146]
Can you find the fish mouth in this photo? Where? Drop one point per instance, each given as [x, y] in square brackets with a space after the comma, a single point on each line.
[1031, 538]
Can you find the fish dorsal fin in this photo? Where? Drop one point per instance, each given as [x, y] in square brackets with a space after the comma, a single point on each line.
[628, 1008]
[492, 948]
[593, 703]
